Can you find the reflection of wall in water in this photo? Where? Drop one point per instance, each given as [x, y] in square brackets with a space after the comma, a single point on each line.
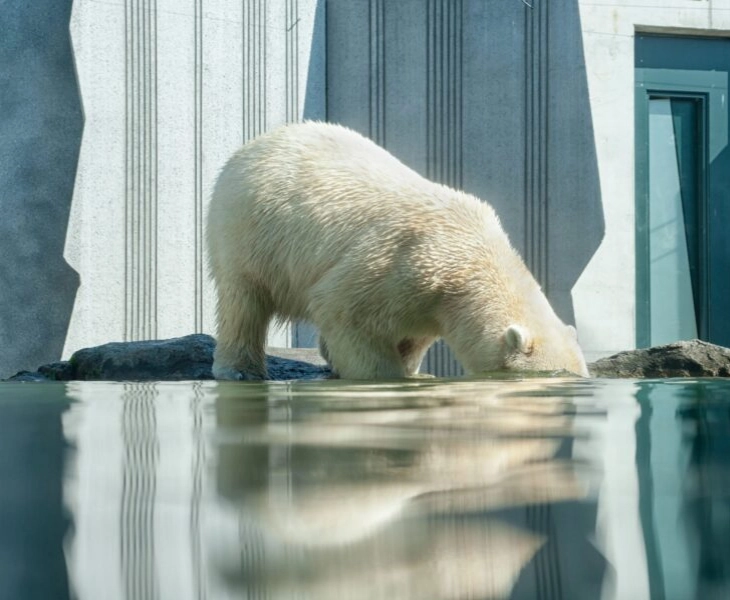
[139, 487]
[706, 423]
[224, 489]
[136, 489]
[704, 420]
[684, 475]
[34, 524]
[605, 438]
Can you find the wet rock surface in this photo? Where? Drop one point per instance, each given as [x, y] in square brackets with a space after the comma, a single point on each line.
[693, 358]
[191, 357]
[177, 359]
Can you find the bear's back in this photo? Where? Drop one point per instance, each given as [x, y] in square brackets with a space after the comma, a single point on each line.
[331, 158]
[299, 199]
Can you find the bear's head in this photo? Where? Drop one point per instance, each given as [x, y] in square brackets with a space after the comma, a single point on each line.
[543, 348]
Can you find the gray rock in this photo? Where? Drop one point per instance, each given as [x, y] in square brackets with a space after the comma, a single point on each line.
[191, 358]
[693, 358]
[285, 369]
[177, 359]
[58, 371]
[310, 355]
[25, 376]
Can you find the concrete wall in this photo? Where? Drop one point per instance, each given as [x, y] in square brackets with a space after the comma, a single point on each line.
[40, 134]
[529, 107]
[170, 90]
[490, 97]
[604, 295]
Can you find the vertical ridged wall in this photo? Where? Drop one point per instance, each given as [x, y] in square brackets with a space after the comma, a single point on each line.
[536, 141]
[170, 90]
[254, 68]
[478, 95]
[456, 89]
[444, 46]
[376, 65]
[140, 315]
[199, 192]
[291, 24]
[444, 43]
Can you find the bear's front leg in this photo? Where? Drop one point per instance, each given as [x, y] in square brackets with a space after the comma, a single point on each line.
[243, 319]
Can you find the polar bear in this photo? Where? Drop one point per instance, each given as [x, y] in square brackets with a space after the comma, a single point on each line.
[314, 222]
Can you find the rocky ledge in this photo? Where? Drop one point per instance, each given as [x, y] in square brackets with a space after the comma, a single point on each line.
[178, 359]
[191, 357]
[693, 358]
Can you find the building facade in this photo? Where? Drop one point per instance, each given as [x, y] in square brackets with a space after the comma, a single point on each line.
[598, 130]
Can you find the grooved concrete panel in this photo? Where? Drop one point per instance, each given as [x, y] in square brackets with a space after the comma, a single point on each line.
[604, 295]
[171, 90]
[463, 92]
[570, 166]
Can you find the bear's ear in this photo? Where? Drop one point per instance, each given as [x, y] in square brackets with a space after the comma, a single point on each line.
[573, 332]
[518, 338]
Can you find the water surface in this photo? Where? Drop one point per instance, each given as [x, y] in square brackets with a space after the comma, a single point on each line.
[534, 488]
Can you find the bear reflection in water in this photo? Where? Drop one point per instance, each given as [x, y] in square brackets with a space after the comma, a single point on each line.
[422, 495]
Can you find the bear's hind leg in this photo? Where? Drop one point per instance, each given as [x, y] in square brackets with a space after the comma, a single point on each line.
[323, 350]
[244, 312]
[351, 357]
[412, 351]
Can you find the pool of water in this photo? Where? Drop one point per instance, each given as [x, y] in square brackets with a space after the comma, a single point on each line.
[533, 488]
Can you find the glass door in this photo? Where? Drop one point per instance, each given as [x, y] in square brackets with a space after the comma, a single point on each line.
[676, 230]
[682, 190]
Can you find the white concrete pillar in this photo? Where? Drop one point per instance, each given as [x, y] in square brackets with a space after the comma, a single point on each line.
[170, 90]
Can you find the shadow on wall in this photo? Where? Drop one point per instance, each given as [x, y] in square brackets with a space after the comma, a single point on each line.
[491, 97]
[315, 108]
[41, 123]
[305, 335]
[576, 225]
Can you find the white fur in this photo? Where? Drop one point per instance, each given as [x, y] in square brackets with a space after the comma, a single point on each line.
[315, 222]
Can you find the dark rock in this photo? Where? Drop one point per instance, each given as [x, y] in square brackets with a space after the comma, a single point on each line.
[178, 359]
[58, 371]
[27, 376]
[283, 369]
[693, 358]
[308, 355]
[191, 358]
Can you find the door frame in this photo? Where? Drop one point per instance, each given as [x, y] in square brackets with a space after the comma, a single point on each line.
[706, 88]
